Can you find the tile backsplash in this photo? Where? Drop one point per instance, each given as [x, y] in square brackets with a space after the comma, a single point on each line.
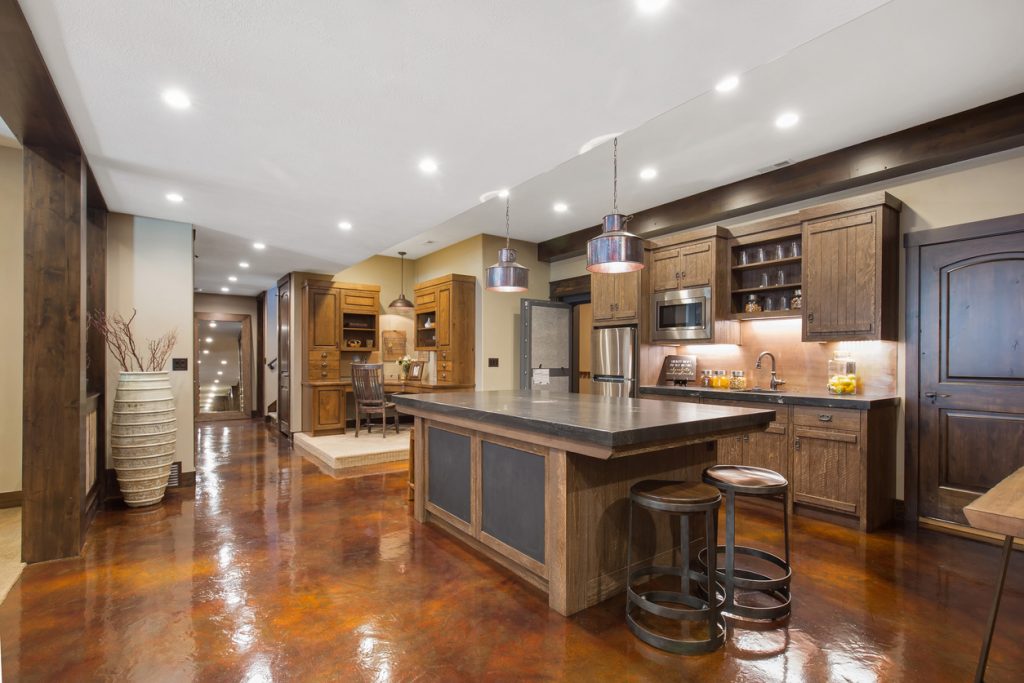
[804, 365]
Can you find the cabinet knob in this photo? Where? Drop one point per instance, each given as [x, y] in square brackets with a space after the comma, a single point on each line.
[323, 354]
[682, 275]
[746, 437]
[810, 317]
[323, 374]
[796, 443]
[825, 418]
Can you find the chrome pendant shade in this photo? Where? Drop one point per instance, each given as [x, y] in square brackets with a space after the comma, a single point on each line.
[401, 303]
[506, 275]
[615, 250]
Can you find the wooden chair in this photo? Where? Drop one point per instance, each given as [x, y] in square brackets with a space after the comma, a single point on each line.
[368, 388]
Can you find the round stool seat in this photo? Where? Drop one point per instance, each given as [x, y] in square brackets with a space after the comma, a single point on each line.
[745, 479]
[663, 494]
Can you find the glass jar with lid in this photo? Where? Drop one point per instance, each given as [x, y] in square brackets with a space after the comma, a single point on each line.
[705, 379]
[719, 380]
[738, 381]
[797, 302]
[842, 374]
[752, 305]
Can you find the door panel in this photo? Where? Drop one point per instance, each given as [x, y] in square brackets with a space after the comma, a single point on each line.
[826, 469]
[284, 350]
[769, 449]
[444, 316]
[584, 328]
[971, 382]
[323, 319]
[545, 345]
[665, 270]
[730, 451]
[695, 265]
[627, 290]
[839, 277]
[603, 296]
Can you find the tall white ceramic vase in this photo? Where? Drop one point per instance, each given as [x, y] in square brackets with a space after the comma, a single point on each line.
[143, 435]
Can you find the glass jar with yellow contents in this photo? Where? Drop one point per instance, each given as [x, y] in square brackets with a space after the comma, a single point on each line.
[738, 381]
[842, 374]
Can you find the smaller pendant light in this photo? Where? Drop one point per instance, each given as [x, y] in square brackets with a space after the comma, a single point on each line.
[506, 275]
[615, 250]
[401, 303]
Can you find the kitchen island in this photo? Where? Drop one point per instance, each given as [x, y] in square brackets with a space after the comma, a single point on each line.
[539, 481]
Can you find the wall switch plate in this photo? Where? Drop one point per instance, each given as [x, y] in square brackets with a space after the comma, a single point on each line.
[492, 362]
[179, 364]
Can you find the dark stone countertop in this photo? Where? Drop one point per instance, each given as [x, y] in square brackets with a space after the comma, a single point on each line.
[795, 398]
[604, 421]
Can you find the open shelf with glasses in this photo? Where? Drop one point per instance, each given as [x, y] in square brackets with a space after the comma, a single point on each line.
[426, 330]
[766, 275]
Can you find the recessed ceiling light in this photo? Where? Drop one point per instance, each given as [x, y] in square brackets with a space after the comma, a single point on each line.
[560, 207]
[176, 99]
[225, 289]
[213, 324]
[216, 381]
[174, 197]
[209, 340]
[651, 6]
[200, 362]
[727, 84]
[243, 264]
[220, 372]
[428, 166]
[599, 140]
[429, 242]
[649, 173]
[206, 352]
[787, 119]
[487, 196]
[345, 225]
[232, 278]
[259, 245]
[223, 362]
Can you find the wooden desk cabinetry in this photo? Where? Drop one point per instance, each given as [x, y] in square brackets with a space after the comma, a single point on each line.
[446, 324]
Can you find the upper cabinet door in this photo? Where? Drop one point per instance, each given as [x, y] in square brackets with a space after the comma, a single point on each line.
[358, 300]
[444, 315]
[627, 295]
[324, 324]
[695, 264]
[665, 270]
[603, 296]
[842, 278]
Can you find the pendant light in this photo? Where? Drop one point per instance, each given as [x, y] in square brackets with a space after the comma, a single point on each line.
[506, 275]
[401, 303]
[615, 250]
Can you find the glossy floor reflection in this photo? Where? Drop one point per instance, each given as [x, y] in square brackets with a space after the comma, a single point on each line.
[275, 570]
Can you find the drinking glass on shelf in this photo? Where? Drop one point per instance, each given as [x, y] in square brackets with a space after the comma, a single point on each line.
[769, 303]
[764, 280]
[778, 252]
[780, 277]
[783, 302]
[758, 255]
[794, 248]
[742, 257]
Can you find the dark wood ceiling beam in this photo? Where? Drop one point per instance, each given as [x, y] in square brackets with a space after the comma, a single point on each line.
[990, 128]
[29, 102]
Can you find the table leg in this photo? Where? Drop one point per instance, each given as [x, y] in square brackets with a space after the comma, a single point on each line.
[979, 675]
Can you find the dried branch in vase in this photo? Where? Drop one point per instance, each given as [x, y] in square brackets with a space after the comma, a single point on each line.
[120, 340]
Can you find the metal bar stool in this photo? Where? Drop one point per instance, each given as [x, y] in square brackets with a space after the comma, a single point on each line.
[683, 499]
[736, 480]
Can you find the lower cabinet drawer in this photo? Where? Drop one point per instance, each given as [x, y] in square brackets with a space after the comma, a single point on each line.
[828, 418]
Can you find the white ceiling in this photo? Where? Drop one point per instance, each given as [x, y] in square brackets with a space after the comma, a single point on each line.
[305, 114]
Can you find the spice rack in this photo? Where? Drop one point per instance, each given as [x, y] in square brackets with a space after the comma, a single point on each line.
[771, 272]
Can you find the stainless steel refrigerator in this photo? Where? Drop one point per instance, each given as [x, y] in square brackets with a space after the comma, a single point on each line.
[614, 361]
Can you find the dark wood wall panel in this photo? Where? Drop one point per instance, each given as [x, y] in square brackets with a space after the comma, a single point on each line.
[54, 361]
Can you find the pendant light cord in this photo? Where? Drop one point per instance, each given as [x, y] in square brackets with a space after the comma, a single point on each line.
[615, 175]
[508, 202]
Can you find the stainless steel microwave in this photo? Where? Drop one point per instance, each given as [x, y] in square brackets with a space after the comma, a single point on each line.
[682, 315]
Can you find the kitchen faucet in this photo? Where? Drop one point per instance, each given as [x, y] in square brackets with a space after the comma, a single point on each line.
[773, 384]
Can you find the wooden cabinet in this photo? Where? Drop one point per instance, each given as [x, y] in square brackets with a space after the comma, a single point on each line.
[689, 265]
[446, 324]
[850, 276]
[826, 469]
[323, 321]
[840, 462]
[327, 408]
[615, 298]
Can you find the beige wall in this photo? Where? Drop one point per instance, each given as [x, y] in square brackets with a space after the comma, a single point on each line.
[149, 268]
[499, 336]
[12, 284]
[241, 305]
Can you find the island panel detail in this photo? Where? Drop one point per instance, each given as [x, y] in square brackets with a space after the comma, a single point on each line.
[449, 472]
[512, 482]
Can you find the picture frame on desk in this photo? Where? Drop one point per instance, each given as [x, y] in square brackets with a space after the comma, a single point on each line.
[416, 371]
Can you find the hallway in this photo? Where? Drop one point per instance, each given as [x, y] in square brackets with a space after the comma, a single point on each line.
[277, 571]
